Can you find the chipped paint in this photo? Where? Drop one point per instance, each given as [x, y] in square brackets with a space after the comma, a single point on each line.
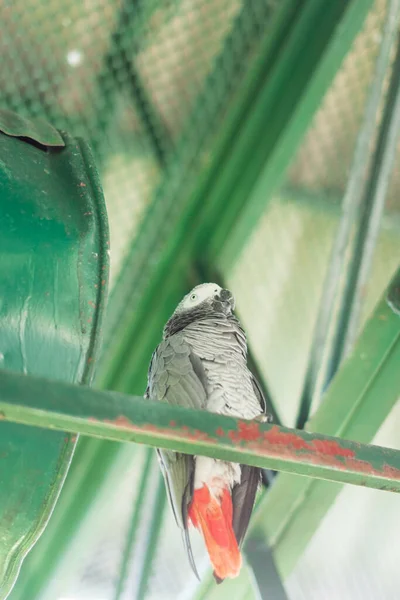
[293, 447]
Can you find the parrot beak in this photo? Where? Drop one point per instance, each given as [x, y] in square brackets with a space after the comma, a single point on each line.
[226, 297]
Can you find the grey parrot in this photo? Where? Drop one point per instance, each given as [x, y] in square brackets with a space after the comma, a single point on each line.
[201, 364]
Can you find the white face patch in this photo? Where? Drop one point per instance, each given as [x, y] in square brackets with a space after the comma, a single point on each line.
[199, 294]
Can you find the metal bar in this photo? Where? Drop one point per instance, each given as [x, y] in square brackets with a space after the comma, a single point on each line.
[350, 211]
[150, 545]
[118, 417]
[267, 581]
[137, 511]
[308, 62]
[371, 217]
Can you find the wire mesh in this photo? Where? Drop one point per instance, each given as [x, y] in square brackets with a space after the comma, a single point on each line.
[127, 76]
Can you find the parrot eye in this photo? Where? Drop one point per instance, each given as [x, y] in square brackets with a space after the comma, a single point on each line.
[193, 297]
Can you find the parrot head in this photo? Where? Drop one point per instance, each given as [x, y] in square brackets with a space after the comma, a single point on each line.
[208, 295]
[204, 300]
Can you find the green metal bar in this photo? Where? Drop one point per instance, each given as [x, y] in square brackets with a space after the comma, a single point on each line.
[370, 221]
[151, 544]
[137, 511]
[351, 206]
[118, 417]
[309, 59]
[266, 577]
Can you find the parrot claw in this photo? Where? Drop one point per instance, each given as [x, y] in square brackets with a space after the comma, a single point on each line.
[264, 418]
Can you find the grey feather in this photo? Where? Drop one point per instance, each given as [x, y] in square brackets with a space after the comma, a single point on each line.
[173, 379]
[243, 498]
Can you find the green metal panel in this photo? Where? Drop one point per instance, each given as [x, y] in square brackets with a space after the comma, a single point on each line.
[53, 280]
[39, 131]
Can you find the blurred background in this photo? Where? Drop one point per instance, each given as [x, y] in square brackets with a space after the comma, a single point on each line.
[225, 132]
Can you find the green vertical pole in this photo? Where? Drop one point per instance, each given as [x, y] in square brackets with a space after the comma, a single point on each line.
[352, 201]
[151, 543]
[267, 581]
[137, 513]
[370, 221]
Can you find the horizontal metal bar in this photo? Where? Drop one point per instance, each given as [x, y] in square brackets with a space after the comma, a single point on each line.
[119, 417]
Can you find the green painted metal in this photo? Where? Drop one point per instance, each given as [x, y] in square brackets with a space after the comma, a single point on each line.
[39, 131]
[136, 517]
[118, 417]
[353, 200]
[266, 577]
[53, 277]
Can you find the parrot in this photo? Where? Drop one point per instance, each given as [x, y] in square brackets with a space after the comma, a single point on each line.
[201, 363]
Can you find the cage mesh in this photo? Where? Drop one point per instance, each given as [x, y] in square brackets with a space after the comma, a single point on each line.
[130, 77]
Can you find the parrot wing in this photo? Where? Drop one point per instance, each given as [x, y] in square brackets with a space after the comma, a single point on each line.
[177, 376]
[244, 493]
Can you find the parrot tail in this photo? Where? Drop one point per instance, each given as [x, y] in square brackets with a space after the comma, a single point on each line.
[214, 520]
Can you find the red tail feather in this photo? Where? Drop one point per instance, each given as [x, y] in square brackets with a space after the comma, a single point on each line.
[214, 520]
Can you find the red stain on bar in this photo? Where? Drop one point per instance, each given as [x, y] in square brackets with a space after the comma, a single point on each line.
[332, 448]
[276, 437]
[247, 431]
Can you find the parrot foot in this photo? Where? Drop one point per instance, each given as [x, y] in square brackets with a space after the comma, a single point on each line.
[264, 418]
